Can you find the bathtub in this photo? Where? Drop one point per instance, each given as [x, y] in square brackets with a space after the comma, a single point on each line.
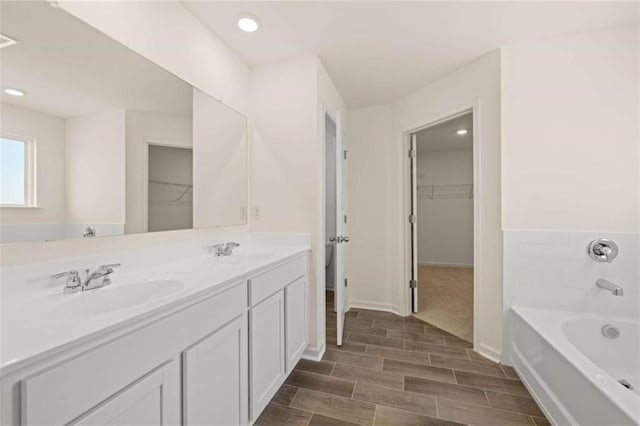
[573, 370]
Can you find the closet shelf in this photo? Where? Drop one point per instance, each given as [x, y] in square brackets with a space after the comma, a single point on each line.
[433, 192]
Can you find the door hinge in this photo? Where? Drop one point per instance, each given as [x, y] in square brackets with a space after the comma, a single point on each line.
[413, 283]
[345, 218]
[413, 218]
[344, 154]
[346, 282]
[412, 153]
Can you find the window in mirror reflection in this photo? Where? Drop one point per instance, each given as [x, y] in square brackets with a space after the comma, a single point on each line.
[16, 172]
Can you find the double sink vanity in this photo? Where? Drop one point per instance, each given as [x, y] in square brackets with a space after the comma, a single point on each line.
[182, 333]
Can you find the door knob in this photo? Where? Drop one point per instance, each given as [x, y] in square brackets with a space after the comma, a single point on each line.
[332, 239]
[342, 239]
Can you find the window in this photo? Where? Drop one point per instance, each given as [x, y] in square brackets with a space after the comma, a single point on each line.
[17, 172]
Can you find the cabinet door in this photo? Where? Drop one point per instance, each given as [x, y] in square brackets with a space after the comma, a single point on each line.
[296, 321]
[267, 357]
[150, 400]
[214, 379]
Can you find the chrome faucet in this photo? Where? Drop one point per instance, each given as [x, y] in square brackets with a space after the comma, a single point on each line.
[223, 249]
[615, 289]
[93, 279]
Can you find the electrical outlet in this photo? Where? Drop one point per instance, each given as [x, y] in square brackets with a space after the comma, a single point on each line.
[256, 212]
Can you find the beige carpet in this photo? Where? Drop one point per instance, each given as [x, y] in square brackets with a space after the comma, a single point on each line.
[445, 299]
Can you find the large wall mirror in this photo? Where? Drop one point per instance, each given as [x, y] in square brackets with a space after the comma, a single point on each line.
[96, 140]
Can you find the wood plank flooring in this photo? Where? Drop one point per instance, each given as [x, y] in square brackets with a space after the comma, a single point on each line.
[395, 371]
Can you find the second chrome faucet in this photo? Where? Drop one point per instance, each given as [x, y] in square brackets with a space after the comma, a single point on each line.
[223, 249]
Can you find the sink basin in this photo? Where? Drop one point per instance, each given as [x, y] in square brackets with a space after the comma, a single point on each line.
[117, 296]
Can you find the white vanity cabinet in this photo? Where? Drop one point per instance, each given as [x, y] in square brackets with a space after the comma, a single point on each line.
[267, 350]
[278, 328]
[214, 379]
[214, 359]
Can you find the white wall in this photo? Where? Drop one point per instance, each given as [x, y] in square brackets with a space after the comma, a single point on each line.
[570, 133]
[95, 171]
[445, 225]
[377, 193]
[45, 221]
[166, 33]
[143, 127]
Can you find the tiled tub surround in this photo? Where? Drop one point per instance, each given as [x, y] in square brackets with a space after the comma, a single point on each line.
[549, 282]
[32, 317]
[551, 270]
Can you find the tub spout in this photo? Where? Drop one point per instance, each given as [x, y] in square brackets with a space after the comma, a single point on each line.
[615, 289]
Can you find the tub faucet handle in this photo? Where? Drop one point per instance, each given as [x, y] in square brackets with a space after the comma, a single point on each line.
[602, 250]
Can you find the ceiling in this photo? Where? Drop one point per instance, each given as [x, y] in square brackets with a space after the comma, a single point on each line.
[68, 68]
[443, 136]
[379, 51]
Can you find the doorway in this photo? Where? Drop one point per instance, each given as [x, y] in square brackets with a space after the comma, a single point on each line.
[169, 188]
[442, 225]
[335, 226]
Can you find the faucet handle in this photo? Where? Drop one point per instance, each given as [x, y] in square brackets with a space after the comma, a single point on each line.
[109, 267]
[73, 282]
[218, 249]
[70, 274]
[602, 250]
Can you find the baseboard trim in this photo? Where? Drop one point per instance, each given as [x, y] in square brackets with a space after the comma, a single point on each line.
[374, 306]
[446, 265]
[313, 353]
[489, 352]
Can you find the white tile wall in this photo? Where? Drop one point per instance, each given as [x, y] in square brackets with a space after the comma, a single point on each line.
[552, 270]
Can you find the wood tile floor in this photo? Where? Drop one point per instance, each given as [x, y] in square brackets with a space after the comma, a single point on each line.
[398, 371]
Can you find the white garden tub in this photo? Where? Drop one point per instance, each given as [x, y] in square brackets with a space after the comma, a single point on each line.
[573, 370]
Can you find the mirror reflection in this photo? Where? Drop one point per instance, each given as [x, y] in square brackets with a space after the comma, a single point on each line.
[96, 140]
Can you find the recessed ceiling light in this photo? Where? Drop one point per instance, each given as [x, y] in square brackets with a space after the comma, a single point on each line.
[248, 23]
[462, 132]
[13, 92]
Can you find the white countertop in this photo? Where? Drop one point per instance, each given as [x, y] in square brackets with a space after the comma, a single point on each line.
[34, 323]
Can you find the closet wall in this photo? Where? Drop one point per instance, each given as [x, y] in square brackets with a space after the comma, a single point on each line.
[445, 208]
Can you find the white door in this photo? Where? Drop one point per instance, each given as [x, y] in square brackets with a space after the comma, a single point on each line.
[214, 378]
[341, 229]
[145, 402]
[413, 221]
[295, 319]
[267, 351]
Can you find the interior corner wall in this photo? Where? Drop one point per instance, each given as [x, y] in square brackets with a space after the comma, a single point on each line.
[571, 133]
[167, 33]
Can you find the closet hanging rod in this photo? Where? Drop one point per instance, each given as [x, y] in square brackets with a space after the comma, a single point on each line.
[160, 182]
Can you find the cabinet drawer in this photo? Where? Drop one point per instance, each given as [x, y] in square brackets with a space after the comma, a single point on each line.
[267, 283]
